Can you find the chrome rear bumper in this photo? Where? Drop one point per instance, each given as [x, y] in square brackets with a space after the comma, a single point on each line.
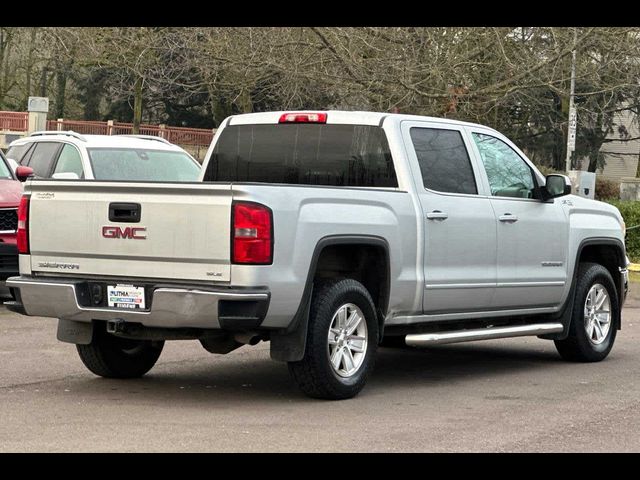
[196, 307]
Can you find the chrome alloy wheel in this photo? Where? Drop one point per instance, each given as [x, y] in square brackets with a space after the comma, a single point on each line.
[347, 340]
[597, 314]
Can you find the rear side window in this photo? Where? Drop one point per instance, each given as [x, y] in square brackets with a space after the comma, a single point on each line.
[42, 158]
[69, 161]
[444, 161]
[303, 154]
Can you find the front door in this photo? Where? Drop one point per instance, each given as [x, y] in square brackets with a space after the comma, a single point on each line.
[532, 234]
[460, 232]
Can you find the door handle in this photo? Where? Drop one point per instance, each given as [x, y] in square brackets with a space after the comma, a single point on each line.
[508, 218]
[437, 215]
[124, 212]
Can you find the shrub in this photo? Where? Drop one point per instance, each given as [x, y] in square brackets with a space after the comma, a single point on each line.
[607, 189]
[630, 210]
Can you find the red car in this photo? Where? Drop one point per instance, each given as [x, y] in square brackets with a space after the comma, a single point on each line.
[10, 193]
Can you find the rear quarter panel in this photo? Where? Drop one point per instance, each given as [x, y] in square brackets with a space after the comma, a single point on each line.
[303, 215]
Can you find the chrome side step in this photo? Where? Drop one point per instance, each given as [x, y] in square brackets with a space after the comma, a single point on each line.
[439, 338]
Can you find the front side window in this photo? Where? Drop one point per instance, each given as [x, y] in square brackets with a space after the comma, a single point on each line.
[508, 173]
[303, 154]
[69, 161]
[142, 165]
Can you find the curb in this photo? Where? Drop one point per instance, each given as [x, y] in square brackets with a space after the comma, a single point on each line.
[633, 267]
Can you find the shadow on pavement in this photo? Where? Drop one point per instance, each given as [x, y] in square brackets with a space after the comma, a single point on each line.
[455, 362]
[215, 380]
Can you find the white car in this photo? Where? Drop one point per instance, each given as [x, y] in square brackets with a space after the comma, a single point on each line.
[70, 155]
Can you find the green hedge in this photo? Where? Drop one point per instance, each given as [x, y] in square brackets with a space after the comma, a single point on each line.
[630, 210]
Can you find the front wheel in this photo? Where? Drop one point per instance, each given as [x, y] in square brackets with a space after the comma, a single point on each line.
[113, 357]
[341, 341]
[592, 330]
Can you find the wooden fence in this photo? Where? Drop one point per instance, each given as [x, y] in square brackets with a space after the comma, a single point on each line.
[178, 135]
[14, 121]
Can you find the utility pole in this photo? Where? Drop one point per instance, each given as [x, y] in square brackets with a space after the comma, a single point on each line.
[571, 128]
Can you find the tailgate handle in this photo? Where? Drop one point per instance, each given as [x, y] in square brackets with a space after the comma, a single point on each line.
[124, 212]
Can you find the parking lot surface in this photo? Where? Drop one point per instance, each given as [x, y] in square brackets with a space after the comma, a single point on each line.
[500, 395]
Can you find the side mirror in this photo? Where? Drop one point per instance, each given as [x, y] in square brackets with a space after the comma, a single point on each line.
[557, 186]
[23, 173]
[65, 176]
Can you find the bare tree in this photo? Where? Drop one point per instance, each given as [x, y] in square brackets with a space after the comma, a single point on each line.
[515, 79]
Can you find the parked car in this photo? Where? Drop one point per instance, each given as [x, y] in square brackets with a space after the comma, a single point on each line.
[69, 155]
[10, 194]
[325, 233]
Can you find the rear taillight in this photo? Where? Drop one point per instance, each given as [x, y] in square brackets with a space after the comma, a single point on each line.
[251, 234]
[303, 117]
[22, 234]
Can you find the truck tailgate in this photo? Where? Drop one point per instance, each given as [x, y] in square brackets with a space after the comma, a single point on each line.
[183, 231]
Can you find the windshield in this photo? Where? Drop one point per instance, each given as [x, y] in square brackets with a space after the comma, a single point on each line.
[142, 165]
[4, 168]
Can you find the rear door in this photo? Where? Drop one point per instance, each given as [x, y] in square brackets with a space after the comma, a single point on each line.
[460, 232]
[131, 230]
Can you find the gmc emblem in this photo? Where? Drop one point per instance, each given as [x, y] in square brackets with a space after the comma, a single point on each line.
[132, 233]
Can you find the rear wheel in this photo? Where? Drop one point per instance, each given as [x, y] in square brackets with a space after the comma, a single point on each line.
[341, 341]
[592, 331]
[113, 357]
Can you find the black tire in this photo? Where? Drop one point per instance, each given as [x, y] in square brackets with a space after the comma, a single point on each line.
[577, 347]
[314, 374]
[113, 357]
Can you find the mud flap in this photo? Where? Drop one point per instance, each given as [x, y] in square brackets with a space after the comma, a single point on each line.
[80, 333]
[289, 345]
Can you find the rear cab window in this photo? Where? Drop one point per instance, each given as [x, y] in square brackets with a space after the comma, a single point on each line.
[303, 154]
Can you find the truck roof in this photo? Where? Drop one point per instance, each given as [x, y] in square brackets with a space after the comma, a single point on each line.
[342, 117]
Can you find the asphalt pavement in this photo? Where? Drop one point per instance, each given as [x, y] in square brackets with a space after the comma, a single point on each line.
[491, 396]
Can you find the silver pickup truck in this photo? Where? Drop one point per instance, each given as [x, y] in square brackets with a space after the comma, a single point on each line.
[327, 234]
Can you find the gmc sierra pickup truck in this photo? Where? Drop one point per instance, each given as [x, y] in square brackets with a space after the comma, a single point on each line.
[327, 234]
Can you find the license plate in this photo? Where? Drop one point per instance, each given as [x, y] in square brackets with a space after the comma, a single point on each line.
[125, 296]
